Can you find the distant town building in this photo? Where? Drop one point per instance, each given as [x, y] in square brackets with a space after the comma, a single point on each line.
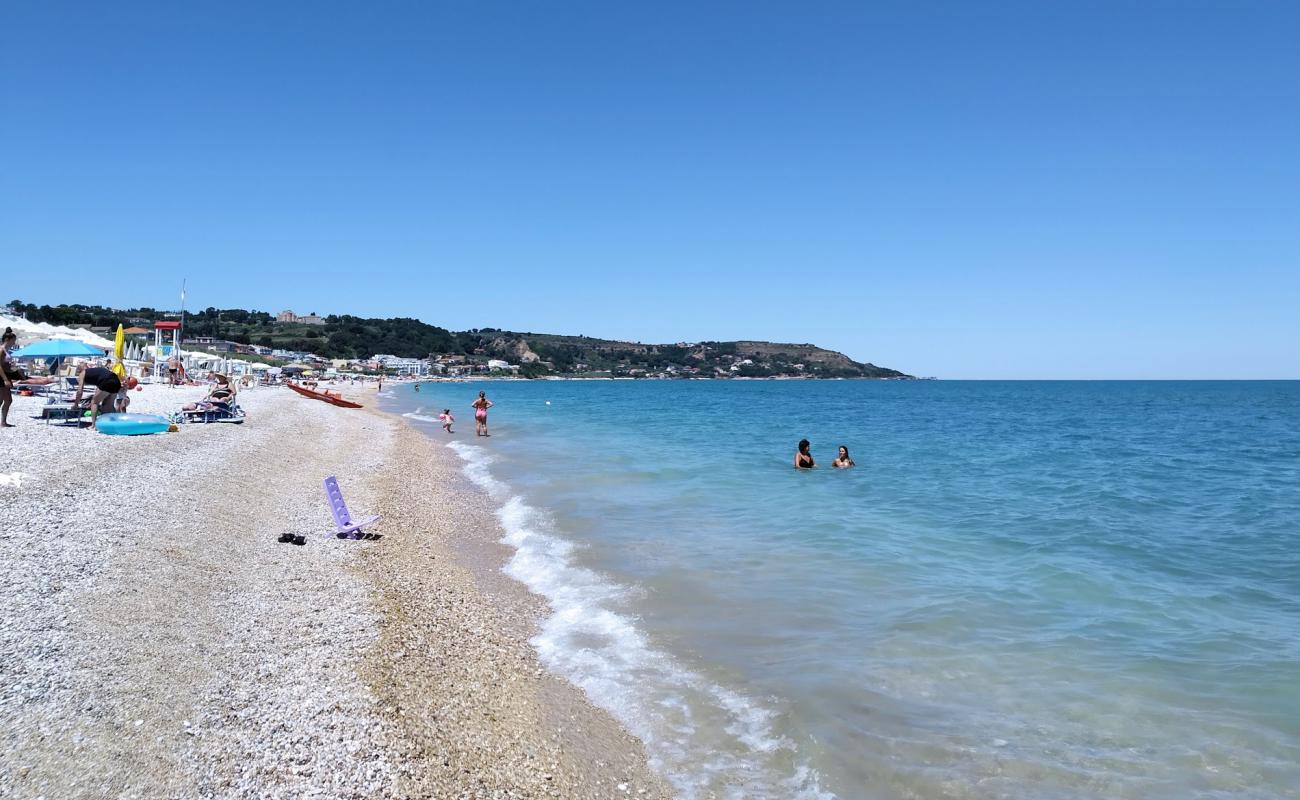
[402, 366]
[309, 319]
[212, 345]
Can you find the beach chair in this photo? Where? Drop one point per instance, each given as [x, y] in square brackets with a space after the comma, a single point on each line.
[54, 409]
[342, 517]
[212, 412]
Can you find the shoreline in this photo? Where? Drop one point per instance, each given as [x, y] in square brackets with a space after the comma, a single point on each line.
[586, 750]
[169, 645]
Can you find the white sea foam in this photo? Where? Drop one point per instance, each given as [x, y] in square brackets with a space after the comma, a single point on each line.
[421, 417]
[14, 479]
[708, 740]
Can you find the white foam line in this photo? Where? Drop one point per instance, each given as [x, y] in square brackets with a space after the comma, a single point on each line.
[703, 736]
[422, 417]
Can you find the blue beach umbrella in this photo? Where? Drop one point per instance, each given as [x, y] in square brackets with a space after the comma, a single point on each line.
[57, 348]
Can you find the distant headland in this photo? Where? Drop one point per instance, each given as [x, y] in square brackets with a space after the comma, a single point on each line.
[410, 346]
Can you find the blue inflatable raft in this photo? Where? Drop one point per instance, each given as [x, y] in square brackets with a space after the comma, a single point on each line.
[132, 424]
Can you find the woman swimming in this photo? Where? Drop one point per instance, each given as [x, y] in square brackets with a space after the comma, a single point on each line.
[480, 406]
[842, 461]
[802, 458]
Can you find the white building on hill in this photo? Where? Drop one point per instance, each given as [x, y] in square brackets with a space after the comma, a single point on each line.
[402, 366]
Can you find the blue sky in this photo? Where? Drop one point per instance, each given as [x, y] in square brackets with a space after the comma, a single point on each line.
[959, 189]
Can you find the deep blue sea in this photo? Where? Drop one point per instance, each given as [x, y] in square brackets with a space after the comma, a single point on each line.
[1023, 590]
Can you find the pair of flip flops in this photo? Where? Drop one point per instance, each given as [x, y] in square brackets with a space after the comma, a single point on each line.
[290, 538]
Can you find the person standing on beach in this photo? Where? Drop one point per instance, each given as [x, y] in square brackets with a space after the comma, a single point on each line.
[480, 406]
[8, 374]
[173, 368]
[802, 457]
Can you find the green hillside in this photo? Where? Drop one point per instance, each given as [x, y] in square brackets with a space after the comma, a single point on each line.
[348, 337]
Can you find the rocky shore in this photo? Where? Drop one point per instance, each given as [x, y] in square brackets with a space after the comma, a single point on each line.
[159, 641]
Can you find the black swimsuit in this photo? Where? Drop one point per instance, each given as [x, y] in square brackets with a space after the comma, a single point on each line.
[103, 379]
[806, 461]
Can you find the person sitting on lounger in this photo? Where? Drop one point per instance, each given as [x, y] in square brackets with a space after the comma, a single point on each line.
[220, 396]
[122, 402]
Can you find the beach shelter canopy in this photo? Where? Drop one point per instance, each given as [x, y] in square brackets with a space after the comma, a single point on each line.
[26, 330]
[44, 330]
[92, 339]
[58, 348]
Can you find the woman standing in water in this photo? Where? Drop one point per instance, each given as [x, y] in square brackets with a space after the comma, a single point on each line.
[802, 458]
[842, 460]
[480, 406]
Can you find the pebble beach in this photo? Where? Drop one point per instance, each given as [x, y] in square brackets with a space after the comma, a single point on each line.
[159, 640]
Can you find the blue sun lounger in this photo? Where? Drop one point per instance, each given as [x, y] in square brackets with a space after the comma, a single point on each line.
[342, 518]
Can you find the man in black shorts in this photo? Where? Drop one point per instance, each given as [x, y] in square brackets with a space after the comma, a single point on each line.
[106, 385]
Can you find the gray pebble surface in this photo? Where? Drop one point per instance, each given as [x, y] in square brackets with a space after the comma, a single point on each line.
[157, 640]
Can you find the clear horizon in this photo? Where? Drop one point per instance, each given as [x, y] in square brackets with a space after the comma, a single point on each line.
[1002, 191]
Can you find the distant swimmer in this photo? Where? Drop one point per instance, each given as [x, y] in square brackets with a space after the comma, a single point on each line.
[802, 458]
[480, 406]
[417, 387]
[843, 461]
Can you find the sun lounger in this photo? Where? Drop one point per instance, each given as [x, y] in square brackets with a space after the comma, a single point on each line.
[212, 412]
[61, 411]
[342, 518]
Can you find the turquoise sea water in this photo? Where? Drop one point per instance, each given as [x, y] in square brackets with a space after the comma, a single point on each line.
[1023, 590]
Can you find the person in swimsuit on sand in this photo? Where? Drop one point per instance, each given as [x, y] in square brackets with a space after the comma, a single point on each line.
[480, 406]
[9, 373]
[447, 420]
[842, 461]
[802, 458]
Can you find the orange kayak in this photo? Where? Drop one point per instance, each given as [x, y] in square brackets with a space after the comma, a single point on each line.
[333, 398]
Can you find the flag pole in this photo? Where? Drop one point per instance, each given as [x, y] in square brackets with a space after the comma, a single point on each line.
[180, 332]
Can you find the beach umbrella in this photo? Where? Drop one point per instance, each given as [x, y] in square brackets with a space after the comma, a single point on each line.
[26, 330]
[92, 339]
[57, 348]
[119, 347]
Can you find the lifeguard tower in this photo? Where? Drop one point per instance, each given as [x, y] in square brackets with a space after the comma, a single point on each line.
[162, 351]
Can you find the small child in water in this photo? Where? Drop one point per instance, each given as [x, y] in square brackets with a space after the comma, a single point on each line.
[447, 419]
